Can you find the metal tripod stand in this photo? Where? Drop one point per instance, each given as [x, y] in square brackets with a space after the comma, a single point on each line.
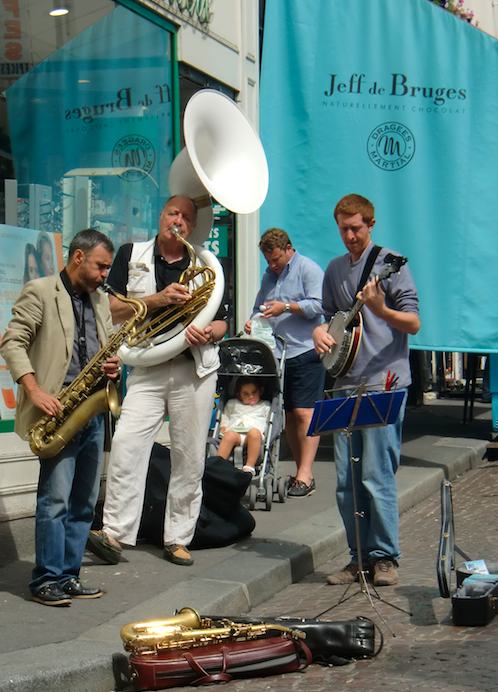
[373, 418]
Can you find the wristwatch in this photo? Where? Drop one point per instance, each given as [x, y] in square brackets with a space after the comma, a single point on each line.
[287, 307]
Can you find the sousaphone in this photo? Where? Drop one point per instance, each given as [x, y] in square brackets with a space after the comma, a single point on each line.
[223, 159]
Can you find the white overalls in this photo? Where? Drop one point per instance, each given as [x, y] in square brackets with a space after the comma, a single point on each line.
[182, 388]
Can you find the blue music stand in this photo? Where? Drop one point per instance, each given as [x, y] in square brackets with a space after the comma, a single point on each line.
[361, 409]
[371, 410]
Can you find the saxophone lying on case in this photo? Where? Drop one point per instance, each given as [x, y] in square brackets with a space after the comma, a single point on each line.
[189, 649]
[331, 642]
[187, 629]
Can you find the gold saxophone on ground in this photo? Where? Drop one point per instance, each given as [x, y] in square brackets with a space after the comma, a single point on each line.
[187, 629]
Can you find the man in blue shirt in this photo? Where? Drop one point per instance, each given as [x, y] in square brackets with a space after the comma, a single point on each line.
[389, 314]
[291, 293]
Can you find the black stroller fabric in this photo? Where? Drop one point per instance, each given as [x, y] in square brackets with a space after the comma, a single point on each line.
[223, 519]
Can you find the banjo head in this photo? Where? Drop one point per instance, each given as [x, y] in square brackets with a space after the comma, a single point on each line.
[334, 359]
[337, 326]
[347, 339]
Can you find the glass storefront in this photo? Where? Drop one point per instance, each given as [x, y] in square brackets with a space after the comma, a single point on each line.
[87, 129]
[90, 105]
[86, 135]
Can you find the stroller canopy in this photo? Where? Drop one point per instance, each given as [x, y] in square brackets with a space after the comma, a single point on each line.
[249, 356]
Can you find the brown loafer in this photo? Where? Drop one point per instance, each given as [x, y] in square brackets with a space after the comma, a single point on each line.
[177, 554]
[99, 544]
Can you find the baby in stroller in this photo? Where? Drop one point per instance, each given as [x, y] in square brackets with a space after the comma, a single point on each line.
[245, 360]
[243, 422]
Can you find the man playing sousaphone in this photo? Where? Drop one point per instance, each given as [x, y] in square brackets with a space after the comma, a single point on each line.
[178, 375]
[181, 387]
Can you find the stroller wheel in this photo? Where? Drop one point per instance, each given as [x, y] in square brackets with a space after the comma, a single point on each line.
[282, 487]
[268, 492]
[253, 493]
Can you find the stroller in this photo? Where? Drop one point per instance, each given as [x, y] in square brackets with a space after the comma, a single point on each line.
[252, 357]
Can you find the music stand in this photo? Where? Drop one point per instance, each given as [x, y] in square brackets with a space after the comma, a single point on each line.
[359, 410]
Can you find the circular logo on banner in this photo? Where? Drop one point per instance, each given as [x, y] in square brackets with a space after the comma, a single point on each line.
[136, 153]
[391, 146]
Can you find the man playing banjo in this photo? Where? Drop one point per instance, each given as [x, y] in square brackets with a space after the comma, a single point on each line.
[389, 314]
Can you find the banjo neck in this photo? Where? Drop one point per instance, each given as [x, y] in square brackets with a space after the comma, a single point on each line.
[351, 315]
[393, 265]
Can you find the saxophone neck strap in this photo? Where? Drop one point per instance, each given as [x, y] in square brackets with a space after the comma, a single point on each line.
[80, 302]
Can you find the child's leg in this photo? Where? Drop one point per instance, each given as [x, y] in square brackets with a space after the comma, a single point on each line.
[229, 440]
[253, 444]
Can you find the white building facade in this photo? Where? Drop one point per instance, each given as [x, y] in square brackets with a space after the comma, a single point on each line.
[91, 106]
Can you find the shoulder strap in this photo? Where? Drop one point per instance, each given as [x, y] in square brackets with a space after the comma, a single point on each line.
[143, 251]
[368, 266]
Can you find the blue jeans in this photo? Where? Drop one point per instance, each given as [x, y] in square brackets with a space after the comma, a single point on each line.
[68, 489]
[378, 451]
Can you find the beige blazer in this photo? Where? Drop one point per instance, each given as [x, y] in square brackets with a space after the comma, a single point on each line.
[39, 339]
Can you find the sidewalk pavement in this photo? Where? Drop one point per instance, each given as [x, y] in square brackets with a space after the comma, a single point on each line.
[79, 648]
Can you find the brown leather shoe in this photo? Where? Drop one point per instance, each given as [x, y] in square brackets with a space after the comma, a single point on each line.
[348, 575]
[178, 555]
[385, 573]
[99, 544]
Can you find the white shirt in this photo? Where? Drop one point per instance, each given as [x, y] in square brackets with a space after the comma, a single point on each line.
[240, 417]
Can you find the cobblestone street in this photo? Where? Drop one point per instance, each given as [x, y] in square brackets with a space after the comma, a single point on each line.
[428, 652]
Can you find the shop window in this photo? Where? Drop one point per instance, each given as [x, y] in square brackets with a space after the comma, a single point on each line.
[86, 135]
[90, 129]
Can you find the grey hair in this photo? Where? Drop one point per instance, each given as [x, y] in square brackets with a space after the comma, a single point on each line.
[87, 240]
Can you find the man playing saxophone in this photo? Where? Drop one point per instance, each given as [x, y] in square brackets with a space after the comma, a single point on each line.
[181, 387]
[59, 323]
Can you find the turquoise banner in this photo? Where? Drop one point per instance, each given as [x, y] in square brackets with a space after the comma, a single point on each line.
[397, 101]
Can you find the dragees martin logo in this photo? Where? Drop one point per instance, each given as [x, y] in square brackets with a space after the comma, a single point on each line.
[136, 153]
[391, 146]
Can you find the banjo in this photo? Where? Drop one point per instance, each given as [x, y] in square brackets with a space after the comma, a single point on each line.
[346, 328]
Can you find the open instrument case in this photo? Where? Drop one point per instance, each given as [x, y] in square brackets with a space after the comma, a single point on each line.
[475, 599]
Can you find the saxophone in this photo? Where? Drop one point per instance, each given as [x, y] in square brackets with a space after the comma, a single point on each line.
[188, 629]
[83, 398]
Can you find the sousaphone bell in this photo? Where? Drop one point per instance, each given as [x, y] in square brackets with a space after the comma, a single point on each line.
[224, 159]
